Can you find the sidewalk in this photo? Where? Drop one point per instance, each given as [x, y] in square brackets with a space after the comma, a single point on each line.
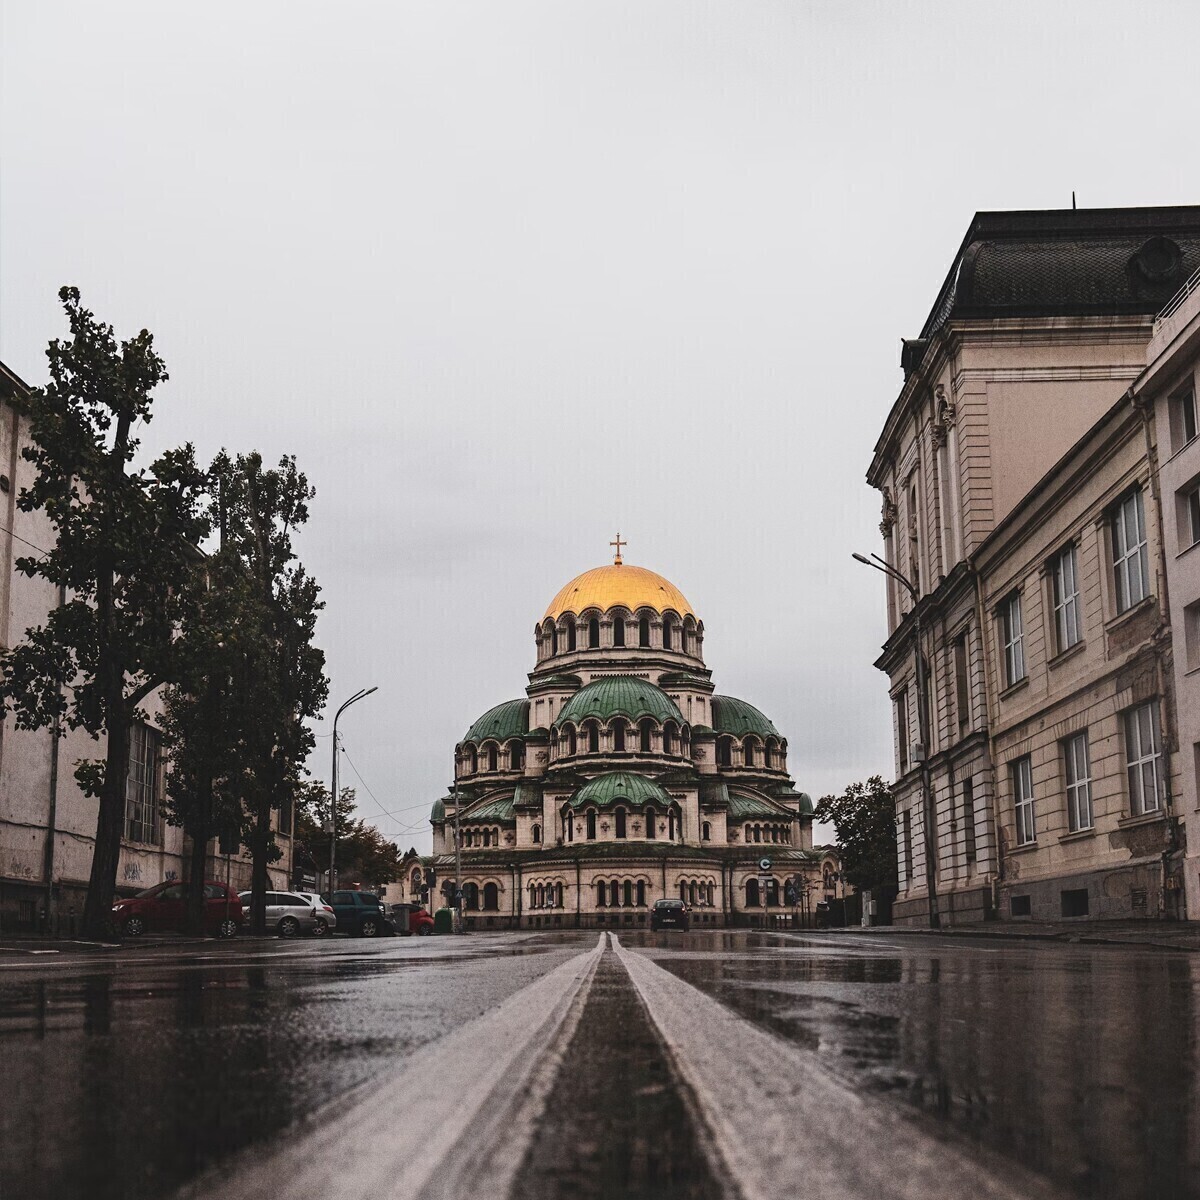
[1159, 935]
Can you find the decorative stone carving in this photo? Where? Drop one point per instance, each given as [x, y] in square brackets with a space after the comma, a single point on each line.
[889, 511]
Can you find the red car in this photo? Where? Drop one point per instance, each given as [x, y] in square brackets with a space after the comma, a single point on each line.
[164, 907]
[412, 919]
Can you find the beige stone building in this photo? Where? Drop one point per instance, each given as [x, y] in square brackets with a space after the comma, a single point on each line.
[622, 777]
[1167, 392]
[47, 824]
[1039, 330]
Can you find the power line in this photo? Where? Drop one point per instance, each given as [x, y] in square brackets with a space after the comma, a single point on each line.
[23, 541]
[392, 816]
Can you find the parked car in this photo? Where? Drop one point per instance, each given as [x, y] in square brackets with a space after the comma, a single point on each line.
[326, 918]
[361, 913]
[164, 908]
[290, 913]
[669, 914]
[412, 919]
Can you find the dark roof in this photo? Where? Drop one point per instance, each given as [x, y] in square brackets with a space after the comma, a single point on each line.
[626, 695]
[1065, 262]
[507, 720]
[621, 787]
[734, 716]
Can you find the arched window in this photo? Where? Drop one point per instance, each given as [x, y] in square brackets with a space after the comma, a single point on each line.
[491, 758]
[651, 830]
[683, 892]
[614, 897]
[472, 761]
[491, 897]
[593, 634]
[670, 824]
[593, 736]
[591, 824]
[666, 634]
[627, 898]
[572, 635]
[645, 733]
[692, 892]
[724, 752]
[620, 822]
[572, 744]
[568, 824]
[706, 832]
[710, 895]
[752, 896]
[554, 640]
[618, 631]
[558, 895]
[536, 833]
[748, 753]
[618, 734]
[758, 833]
[601, 894]
[644, 631]
[516, 756]
[641, 893]
[533, 895]
[541, 895]
[471, 896]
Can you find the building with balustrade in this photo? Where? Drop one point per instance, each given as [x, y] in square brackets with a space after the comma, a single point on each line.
[622, 777]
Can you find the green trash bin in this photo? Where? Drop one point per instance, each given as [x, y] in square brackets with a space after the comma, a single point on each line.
[443, 921]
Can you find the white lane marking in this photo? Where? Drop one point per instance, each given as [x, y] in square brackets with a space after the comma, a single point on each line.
[393, 1138]
[781, 1125]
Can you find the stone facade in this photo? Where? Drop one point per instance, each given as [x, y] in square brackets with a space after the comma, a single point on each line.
[1039, 331]
[621, 779]
[47, 824]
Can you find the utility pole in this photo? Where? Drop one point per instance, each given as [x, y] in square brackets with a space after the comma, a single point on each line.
[458, 920]
[928, 822]
[333, 795]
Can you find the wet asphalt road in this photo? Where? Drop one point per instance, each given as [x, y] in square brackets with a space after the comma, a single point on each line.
[126, 1073]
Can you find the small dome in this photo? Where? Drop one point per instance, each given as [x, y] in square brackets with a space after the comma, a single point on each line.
[739, 718]
[620, 786]
[507, 720]
[618, 585]
[438, 812]
[620, 695]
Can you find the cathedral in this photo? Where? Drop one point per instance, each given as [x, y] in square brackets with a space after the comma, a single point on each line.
[621, 777]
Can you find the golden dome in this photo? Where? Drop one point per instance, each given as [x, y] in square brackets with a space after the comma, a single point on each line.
[618, 585]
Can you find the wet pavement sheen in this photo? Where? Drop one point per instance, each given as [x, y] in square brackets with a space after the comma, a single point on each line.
[1081, 1063]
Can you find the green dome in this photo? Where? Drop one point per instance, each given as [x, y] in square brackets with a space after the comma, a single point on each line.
[438, 812]
[606, 790]
[739, 718]
[619, 695]
[507, 720]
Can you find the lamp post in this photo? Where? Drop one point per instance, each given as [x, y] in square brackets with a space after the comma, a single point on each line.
[333, 795]
[923, 728]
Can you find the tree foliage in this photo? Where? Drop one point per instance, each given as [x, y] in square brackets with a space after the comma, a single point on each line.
[864, 817]
[364, 855]
[122, 555]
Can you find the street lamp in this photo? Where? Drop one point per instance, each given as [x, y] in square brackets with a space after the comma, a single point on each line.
[923, 727]
[333, 797]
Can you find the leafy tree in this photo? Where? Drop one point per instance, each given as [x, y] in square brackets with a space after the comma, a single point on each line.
[864, 817]
[122, 557]
[364, 855]
[259, 509]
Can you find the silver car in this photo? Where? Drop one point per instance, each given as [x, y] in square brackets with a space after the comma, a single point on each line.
[325, 917]
[292, 913]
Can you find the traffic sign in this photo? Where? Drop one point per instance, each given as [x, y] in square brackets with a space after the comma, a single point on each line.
[764, 864]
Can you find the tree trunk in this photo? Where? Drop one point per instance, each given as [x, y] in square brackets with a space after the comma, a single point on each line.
[258, 878]
[110, 821]
[201, 832]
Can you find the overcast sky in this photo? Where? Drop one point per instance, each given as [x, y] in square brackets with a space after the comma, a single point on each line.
[509, 277]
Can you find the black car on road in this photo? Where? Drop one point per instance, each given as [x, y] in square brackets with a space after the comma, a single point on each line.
[361, 914]
[669, 914]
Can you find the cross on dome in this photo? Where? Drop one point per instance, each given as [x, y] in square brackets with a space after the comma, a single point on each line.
[618, 544]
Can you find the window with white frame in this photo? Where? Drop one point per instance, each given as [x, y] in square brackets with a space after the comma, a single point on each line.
[1067, 623]
[1188, 508]
[902, 730]
[1013, 633]
[1131, 558]
[1143, 759]
[143, 796]
[1079, 783]
[1022, 777]
[1183, 417]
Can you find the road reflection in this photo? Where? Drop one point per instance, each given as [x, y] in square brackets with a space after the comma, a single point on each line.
[1080, 1062]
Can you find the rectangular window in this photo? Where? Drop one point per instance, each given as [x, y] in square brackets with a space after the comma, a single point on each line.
[1074, 902]
[902, 729]
[1191, 635]
[1143, 759]
[1022, 777]
[1131, 562]
[142, 785]
[1021, 906]
[962, 683]
[1067, 624]
[1079, 783]
[1183, 418]
[1189, 518]
[1013, 632]
[969, 819]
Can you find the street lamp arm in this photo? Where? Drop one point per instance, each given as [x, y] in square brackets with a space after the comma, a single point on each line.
[880, 565]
